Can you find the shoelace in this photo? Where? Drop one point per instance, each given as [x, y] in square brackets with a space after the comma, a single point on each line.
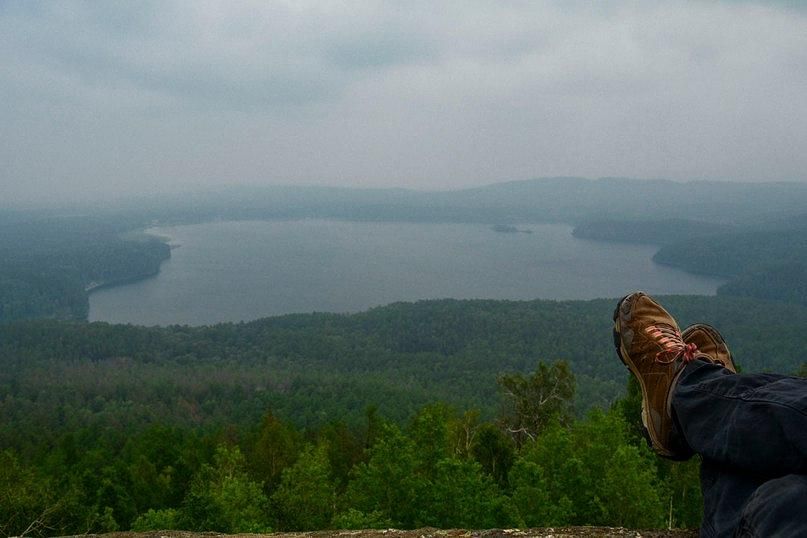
[674, 346]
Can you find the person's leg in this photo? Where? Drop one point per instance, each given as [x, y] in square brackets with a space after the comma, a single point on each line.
[777, 508]
[745, 426]
[756, 423]
[751, 429]
[725, 492]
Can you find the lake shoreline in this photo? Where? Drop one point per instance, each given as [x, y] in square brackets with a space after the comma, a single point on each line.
[93, 286]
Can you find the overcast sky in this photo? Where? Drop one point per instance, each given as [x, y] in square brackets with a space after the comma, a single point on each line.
[132, 97]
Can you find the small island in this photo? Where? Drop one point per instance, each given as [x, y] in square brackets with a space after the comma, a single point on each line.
[508, 229]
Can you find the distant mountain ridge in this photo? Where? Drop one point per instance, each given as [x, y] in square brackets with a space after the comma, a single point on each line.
[572, 200]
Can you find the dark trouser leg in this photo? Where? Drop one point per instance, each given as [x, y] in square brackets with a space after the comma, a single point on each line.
[777, 508]
[754, 423]
[752, 433]
[725, 493]
[746, 505]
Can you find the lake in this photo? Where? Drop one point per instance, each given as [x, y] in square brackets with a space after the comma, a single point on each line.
[233, 271]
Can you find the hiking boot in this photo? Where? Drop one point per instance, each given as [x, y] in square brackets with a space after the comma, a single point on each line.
[649, 343]
[710, 343]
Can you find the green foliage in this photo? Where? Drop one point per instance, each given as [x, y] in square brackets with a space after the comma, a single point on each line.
[587, 475]
[532, 402]
[356, 519]
[389, 484]
[223, 498]
[430, 432]
[536, 503]
[679, 481]
[306, 497]
[495, 452]
[105, 521]
[344, 449]
[26, 502]
[275, 449]
[589, 472]
[460, 495]
[415, 481]
[682, 490]
[114, 499]
[160, 464]
[156, 520]
[629, 408]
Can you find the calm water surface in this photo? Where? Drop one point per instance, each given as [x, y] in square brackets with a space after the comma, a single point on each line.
[232, 271]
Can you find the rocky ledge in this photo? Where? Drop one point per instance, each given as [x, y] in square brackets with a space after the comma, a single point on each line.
[558, 532]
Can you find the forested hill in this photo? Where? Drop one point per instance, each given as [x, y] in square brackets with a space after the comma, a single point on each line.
[764, 260]
[313, 368]
[48, 264]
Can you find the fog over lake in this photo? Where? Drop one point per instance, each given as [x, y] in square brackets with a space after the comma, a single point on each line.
[233, 271]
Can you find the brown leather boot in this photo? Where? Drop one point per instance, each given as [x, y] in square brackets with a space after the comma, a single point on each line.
[649, 343]
[711, 343]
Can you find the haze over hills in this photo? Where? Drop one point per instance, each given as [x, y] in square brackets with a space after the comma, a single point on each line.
[568, 199]
[50, 261]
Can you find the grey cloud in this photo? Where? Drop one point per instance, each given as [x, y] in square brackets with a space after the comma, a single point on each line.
[378, 49]
[789, 4]
[251, 57]
[122, 96]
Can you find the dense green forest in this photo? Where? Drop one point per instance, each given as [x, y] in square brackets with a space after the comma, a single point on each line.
[317, 367]
[405, 415]
[534, 465]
